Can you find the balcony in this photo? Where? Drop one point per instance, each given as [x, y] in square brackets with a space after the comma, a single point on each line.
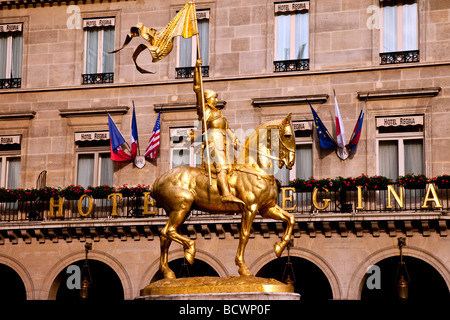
[188, 72]
[399, 57]
[98, 78]
[10, 83]
[301, 204]
[291, 65]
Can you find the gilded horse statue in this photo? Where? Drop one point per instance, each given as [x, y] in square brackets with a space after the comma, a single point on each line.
[251, 179]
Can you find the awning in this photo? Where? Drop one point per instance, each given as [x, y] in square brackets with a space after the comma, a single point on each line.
[100, 22]
[90, 136]
[291, 6]
[10, 27]
[302, 125]
[400, 121]
[10, 139]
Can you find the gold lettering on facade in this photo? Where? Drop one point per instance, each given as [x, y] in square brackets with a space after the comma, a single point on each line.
[148, 203]
[435, 197]
[59, 205]
[360, 205]
[114, 196]
[284, 198]
[325, 201]
[90, 205]
[398, 198]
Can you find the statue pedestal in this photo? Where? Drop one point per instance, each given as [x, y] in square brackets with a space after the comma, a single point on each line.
[215, 288]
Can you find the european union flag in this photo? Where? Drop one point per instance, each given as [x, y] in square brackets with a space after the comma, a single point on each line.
[324, 136]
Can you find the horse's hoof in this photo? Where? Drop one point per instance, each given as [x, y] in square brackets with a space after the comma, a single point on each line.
[278, 248]
[169, 274]
[244, 271]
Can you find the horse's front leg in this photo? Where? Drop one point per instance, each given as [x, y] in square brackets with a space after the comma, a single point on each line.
[277, 213]
[164, 263]
[246, 225]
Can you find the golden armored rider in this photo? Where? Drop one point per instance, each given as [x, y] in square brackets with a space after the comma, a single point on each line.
[218, 134]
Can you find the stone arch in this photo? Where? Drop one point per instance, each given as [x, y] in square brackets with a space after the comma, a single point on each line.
[206, 257]
[23, 273]
[49, 289]
[357, 279]
[309, 255]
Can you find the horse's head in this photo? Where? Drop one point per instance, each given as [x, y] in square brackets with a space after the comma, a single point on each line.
[273, 140]
[287, 144]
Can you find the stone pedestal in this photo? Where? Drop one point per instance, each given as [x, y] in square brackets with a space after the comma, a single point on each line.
[215, 288]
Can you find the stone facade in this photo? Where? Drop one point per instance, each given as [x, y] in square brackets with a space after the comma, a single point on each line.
[52, 104]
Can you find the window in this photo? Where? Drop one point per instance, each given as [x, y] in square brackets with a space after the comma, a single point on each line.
[399, 40]
[182, 152]
[400, 147]
[94, 164]
[10, 161]
[303, 167]
[11, 42]
[187, 49]
[99, 64]
[291, 36]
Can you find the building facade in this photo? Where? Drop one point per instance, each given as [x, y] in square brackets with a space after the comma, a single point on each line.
[265, 59]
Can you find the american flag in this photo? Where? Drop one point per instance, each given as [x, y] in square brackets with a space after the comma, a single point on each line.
[153, 143]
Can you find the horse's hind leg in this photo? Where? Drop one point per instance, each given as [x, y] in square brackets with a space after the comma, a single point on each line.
[164, 263]
[170, 231]
[277, 213]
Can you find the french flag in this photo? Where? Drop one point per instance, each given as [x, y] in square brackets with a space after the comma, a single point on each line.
[116, 141]
[357, 131]
[340, 136]
[134, 136]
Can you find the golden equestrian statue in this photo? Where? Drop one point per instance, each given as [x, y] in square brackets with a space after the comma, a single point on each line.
[247, 185]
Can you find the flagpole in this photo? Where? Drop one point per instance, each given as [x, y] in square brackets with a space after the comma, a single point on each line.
[203, 98]
[137, 142]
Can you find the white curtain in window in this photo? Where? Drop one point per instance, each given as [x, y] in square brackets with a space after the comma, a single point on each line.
[91, 50]
[303, 160]
[3, 55]
[180, 157]
[283, 36]
[413, 156]
[388, 159]
[13, 176]
[85, 174]
[107, 170]
[203, 30]
[390, 26]
[410, 25]
[301, 35]
[282, 174]
[16, 56]
[185, 52]
[108, 45]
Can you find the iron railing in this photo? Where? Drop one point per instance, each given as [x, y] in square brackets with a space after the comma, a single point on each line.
[188, 72]
[291, 65]
[399, 57]
[373, 201]
[10, 83]
[97, 78]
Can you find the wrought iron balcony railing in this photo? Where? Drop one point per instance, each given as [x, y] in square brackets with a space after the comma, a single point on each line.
[399, 57]
[291, 65]
[96, 78]
[188, 72]
[300, 203]
[10, 83]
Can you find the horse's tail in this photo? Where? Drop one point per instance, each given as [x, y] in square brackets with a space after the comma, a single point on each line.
[153, 193]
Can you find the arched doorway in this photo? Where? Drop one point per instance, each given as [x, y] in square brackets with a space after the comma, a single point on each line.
[106, 285]
[13, 288]
[310, 281]
[183, 269]
[426, 283]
